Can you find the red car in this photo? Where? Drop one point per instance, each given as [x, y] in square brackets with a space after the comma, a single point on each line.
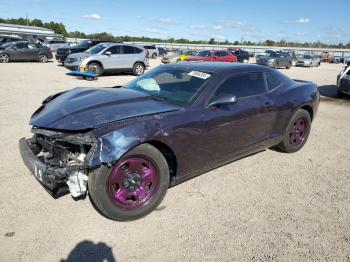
[213, 56]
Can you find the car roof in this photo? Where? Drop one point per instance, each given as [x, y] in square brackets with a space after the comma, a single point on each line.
[215, 67]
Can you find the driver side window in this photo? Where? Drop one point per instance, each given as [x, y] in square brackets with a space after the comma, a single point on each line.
[242, 85]
[115, 50]
[21, 45]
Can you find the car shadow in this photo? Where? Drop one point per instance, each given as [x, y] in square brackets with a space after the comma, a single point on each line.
[87, 251]
[330, 91]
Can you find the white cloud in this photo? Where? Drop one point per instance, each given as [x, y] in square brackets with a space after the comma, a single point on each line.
[199, 26]
[155, 31]
[161, 20]
[300, 34]
[234, 25]
[92, 16]
[303, 20]
[218, 27]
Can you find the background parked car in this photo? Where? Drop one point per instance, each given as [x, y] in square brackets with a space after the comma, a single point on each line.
[54, 44]
[242, 56]
[110, 57]
[152, 50]
[24, 51]
[308, 60]
[276, 60]
[162, 51]
[213, 56]
[63, 52]
[7, 39]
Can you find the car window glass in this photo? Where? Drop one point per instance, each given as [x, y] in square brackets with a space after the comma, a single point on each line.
[204, 53]
[32, 46]
[115, 50]
[242, 85]
[137, 50]
[223, 53]
[272, 82]
[217, 54]
[21, 45]
[128, 49]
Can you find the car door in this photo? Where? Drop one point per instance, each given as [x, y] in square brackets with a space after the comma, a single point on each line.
[238, 127]
[33, 51]
[129, 56]
[111, 58]
[20, 51]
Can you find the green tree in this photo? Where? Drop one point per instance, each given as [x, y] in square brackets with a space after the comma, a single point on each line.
[211, 41]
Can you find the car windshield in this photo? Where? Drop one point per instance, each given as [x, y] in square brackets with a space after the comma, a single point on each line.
[307, 57]
[7, 45]
[204, 53]
[174, 85]
[96, 49]
[83, 44]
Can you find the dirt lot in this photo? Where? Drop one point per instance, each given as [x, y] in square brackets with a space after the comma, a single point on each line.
[267, 207]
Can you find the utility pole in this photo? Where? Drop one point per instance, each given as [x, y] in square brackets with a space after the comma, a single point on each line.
[27, 18]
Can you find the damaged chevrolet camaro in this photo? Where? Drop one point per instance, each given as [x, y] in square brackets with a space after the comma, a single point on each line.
[125, 146]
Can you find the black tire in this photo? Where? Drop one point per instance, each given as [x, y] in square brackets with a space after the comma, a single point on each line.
[4, 58]
[289, 66]
[43, 58]
[340, 94]
[285, 145]
[138, 69]
[275, 65]
[98, 186]
[97, 68]
[154, 55]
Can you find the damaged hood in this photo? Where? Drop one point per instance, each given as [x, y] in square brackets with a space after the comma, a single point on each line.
[86, 108]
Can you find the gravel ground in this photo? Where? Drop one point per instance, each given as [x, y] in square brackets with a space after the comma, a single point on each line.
[267, 207]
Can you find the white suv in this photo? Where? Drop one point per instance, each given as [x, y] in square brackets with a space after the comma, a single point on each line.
[110, 57]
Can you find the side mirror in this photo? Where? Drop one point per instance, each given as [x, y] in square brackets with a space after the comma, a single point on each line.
[223, 101]
[108, 53]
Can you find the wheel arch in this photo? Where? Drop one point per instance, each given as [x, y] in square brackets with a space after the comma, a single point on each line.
[97, 62]
[141, 62]
[309, 109]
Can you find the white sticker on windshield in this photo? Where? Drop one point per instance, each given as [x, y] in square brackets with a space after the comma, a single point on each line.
[199, 74]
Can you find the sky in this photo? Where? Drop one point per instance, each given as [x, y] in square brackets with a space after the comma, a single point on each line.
[254, 20]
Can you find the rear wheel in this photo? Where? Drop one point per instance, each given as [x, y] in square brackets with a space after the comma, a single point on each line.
[275, 65]
[154, 55]
[96, 69]
[297, 132]
[138, 69]
[133, 187]
[289, 66]
[4, 58]
[43, 58]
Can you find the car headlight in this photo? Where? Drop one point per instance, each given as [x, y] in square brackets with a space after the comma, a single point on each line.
[82, 58]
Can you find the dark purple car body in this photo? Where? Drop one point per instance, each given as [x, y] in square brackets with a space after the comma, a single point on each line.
[193, 137]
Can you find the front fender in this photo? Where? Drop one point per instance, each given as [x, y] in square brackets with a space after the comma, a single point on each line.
[114, 141]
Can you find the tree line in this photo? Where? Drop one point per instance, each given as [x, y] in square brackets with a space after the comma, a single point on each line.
[60, 28]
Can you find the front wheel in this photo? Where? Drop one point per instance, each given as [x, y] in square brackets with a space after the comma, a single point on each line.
[138, 69]
[4, 58]
[133, 187]
[289, 66]
[297, 132]
[95, 68]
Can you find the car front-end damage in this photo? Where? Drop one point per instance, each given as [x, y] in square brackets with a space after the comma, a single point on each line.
[60, 161]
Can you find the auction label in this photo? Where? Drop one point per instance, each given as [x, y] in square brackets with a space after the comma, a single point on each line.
[199, 74]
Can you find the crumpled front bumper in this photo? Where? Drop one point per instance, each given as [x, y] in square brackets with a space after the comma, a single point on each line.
[52, 179]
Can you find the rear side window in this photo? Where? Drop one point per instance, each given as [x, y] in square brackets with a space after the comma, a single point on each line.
[137, 50]
[128, 49]
[21, 45]
[242, 85]
[150, 47]
[272, 82]
[115, 50]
